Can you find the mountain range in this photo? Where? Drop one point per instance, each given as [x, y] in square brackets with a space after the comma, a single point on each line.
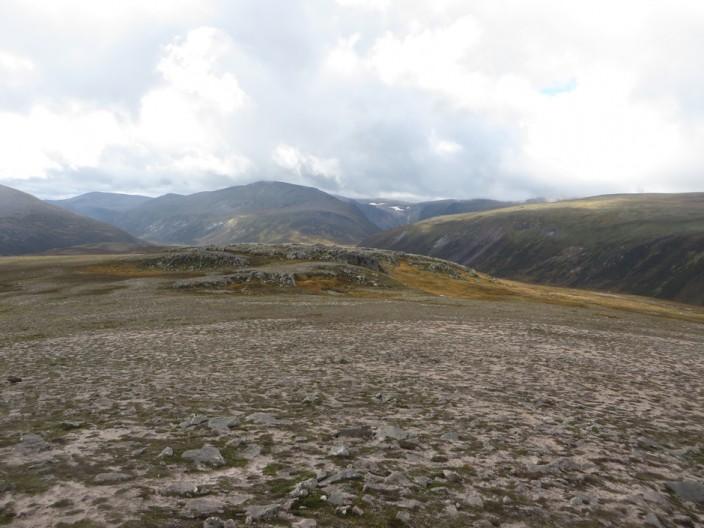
[648, 244]
[268, 212]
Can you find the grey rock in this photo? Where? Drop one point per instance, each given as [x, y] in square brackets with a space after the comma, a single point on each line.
[230, 523]
[237, 500]
[302, 489]
[104, 402]
[68, 425]
[450, 437]
[357, 511]
[451, 476]
[310, 399]
[266, 419]
[397, 477]
[409, 504]
[267, 511]
[689, 490]
[340, 498]
[223, 423]
[202, 507]
[252, 451]
[483, 523]
[451, 511]
[345, 474]
[184, 488]
[309, 484]
[475, 501]
[305, 523]
[194, 420]
[14, 379]
[507, 500]
[31, 442]
[369, 465]
[423, 482]
[111, 478]
[404, 517]
[213, 522]
[339, 451]
[236, 442]
[393, 432]
[166, 452]
[207, 454]
[652, 520]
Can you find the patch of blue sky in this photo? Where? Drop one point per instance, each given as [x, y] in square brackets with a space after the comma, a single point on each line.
[558, 88]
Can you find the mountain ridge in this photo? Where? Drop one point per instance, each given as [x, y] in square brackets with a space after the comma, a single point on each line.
[29, 225]
[647, 244]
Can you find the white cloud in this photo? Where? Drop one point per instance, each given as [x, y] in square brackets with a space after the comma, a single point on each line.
[307, 167]
[501, 98]
[192, 67]
[15, 63]
[106, 20]
[343, 58]
[570, 93]
[377, 5]
[51, 139]
[179, 126]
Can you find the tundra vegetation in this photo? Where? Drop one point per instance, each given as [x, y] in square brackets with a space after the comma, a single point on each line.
[310, 386]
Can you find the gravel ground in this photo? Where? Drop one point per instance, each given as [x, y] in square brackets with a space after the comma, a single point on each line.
[305, 410]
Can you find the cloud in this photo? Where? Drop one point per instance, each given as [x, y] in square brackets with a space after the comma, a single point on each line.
[504, 99]
[179, 127]
[309, 169]
[181, 121]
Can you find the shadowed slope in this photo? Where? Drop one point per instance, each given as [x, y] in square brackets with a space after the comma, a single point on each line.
[106, 207]
[28, 225]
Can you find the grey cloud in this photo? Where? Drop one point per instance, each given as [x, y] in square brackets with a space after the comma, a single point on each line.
[381, 135]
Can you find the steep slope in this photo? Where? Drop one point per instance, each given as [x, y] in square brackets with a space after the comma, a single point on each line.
[648, 244]
[28, 225]
[260, 212]
[106, 207]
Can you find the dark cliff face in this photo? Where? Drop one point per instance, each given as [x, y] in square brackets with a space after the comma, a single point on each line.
[28, 225]
[643, 244]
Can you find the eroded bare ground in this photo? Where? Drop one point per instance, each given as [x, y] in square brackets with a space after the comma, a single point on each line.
[335, 411]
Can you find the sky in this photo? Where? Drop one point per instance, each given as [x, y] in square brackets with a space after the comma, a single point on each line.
[405, 99]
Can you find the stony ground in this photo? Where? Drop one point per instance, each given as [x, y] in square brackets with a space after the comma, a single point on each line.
[143, 405]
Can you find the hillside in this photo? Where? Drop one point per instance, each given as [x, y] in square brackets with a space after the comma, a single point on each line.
[260, 212]
[106, 207]
[647, 244]
[28, 225]
[387, 214]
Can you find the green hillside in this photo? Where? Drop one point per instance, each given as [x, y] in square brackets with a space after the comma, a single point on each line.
[648, 244]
